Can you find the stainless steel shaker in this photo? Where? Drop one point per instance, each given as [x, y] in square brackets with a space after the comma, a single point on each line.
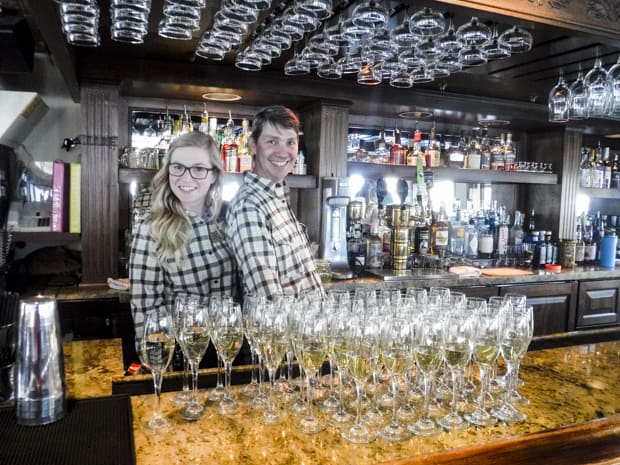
[40, 380]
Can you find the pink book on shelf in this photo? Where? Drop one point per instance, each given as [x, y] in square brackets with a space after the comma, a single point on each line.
[60, 197]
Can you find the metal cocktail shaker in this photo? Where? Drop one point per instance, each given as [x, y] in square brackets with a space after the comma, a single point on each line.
[40, 381]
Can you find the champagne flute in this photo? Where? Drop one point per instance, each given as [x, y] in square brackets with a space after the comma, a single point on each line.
[156, 350]
[516, 334]
[250, 305]
[456, 354]
[227, 336]
[194, 337]
[339, 320]
[485, 349]
[359, 358]
[427, 351]
[273, 342]
[312, 353]
[215, 303]
[180, 303]
[331, 402]
[396, 354]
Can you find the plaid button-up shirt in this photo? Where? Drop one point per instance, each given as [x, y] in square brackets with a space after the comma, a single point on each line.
[207, 268]
[270, 245]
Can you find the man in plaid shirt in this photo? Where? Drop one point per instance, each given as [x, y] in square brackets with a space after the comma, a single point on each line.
[270, 245]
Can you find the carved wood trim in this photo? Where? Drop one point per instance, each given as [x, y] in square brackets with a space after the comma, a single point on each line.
[600, 17]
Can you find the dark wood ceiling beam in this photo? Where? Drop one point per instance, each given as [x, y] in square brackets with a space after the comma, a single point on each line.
[45, 16]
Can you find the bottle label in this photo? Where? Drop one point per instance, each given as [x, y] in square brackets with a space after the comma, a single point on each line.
[374, 255]
[472, 245]
[422, 243]
[590, 252]
[579, 252]
[441, 239]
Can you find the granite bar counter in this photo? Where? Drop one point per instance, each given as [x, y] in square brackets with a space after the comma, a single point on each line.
[573, 418]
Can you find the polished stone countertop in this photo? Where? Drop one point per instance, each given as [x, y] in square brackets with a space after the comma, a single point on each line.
[566, 386]
[102, 291]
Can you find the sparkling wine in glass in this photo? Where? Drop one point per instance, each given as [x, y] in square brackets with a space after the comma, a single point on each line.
[156, 350]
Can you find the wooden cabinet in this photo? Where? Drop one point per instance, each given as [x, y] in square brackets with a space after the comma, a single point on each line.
[599, 304]
[554, 305]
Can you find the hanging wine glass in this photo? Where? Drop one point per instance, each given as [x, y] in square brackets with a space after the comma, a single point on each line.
[598, 90]
[559, 98]
[355, 34]
[517, 39]
[427, 23]
[472, 56]
[450, 62]
[428, 50]
[402, 37]
[351, 61]
[449, 42]
[422, 74]
[320, 9]
[473, 33]
[329, 70]
[401, 78]
[494, 49]
[578, 98]
[369, 75]
[411, 59]
[296, 66]
[613, 76]
[370, 14]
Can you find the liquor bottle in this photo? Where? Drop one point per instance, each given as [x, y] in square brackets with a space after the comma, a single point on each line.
[585, 169]
[422, 235]
[540, 253]
[516, 232]
[411, 148]
[615, 173]
[606, 169]
[471, 240]
[456, 154]
[374, 246]
[510, 156]
[244, 152]
[503, 235]
[497, 155]
[433, 150]
[213, 130]
[440, 234]
[186, 122]
[474, 156]
[552, 248]
[382, 154]
[230, 147]
[397, 151]
[579, 246]
[597, 168]
[204, 120]
[485, 151]
[589, 255]
[457, 234]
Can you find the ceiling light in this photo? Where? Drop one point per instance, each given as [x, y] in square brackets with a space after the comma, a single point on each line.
[221, 96]
[415, 114]
[613, 136]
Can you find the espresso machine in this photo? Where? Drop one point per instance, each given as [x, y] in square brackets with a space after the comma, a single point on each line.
[333, 246]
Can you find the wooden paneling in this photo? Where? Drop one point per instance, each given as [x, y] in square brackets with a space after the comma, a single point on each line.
[554, 305]
[99, 183]
[599, 303]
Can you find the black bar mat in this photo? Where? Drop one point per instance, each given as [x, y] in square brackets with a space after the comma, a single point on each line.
[93, 432]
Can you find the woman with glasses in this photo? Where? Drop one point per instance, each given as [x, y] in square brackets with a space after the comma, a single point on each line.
[179, 247]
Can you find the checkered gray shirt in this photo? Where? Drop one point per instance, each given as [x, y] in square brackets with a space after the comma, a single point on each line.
[208, 268]
[270, 245]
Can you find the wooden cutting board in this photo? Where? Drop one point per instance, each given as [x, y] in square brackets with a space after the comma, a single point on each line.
[505, 272]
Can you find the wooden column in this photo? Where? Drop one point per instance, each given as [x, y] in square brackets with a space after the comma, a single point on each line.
[99, 138]
[325, 127]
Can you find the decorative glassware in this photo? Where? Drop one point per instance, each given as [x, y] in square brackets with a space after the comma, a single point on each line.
[369, 75]
[473, 33]
[516, 334]
[320, 9]
[598, 89]
[495, 50]
[427, 23]
[401, 78]
[156, 350]
[472, 56]
[559, 101]
[194, 339]
[371, 14]
[517, 39]
[613, 76]
[296, 66]
[578, 98]
[227, 336]
[180, 304]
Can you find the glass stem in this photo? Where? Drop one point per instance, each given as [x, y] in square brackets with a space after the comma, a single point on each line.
[157, 380]
[358, 410]
[254, 367]
[483, 388]
[228, 371]
[272, 388]
[185, 374]
[260, 373]
[195, 367]
[427, 396]
[220, 365]
[455, 389]
[511, 384]
[395, 382]
[341, 390]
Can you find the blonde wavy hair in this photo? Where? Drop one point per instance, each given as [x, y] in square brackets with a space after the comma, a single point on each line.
[169, 220]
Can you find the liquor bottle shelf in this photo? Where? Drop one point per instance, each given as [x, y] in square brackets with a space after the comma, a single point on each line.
[454, 174]
[143, 176]
[600, 193]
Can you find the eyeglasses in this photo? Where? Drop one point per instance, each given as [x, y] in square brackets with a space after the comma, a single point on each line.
[196, 172]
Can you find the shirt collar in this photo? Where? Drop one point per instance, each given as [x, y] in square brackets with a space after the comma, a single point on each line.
[277, 189]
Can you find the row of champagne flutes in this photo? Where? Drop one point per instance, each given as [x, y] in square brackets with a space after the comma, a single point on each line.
[410, 337]
[192, 324]
[595, 95]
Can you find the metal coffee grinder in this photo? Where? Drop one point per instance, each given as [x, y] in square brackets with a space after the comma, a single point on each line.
[333, 246]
